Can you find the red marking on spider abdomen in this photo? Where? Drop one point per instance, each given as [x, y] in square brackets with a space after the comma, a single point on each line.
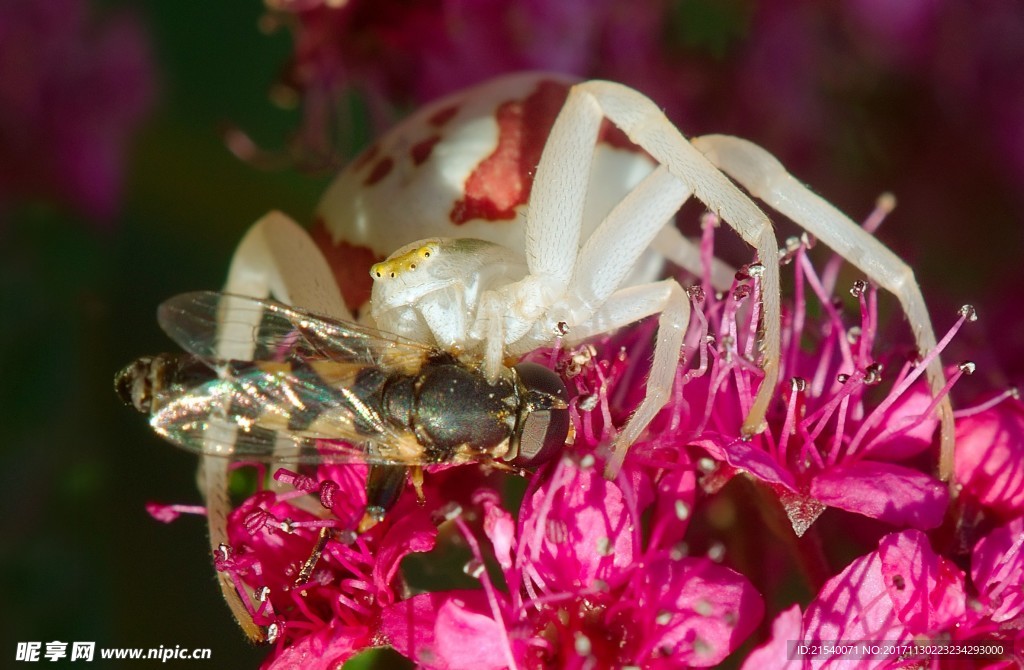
[443, 116]
[379, 171]
[350, 264]
[421, 151]
[502, 181]
[365, 157]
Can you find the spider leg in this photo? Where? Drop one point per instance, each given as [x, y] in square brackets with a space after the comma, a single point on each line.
[764, 176]
[667, 299]
[676, 247]
[275, 258]
[647, 126]
[554, 219]
[554, 223]
[592, 304]
[604, 262]
[611, 251]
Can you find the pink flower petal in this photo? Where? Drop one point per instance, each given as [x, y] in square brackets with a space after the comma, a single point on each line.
[854, 605]
[884, 491]
[905, 411]
[500, 528]
[990, 456]
[468, 637]
[926, 589]
[414, 532]
[580, 531]
[746, 456]
[325, 649]
[677, 491]
[997, 569]
[699, 611]
[413, 626]
[349, 499]
[775, 653]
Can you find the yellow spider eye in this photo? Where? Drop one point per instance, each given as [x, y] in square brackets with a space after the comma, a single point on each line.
[406, 262]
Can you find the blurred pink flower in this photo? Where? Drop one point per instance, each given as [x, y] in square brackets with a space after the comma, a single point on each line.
[397, 54]
[990, 457]
[72, 93]
[583, 590]
[905, 592]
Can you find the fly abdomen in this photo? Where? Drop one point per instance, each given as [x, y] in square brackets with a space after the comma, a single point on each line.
[149, 382]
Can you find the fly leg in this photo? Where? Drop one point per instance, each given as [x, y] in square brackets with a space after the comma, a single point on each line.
[383, 488]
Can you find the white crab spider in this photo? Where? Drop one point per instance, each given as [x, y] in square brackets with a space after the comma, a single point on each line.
[575, 260]
[575, 277]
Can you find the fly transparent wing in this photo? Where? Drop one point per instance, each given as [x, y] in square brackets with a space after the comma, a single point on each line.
[197, 322]
[254, 414]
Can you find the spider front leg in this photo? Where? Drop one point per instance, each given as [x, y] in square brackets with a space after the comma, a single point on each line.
[592, 302]
[667, 299]
[647, 127]
[276, 258]
[765, 177]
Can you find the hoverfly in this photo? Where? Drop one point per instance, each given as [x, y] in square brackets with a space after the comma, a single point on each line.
[318, 390]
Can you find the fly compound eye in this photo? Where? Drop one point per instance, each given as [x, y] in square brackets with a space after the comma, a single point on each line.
[543, 421]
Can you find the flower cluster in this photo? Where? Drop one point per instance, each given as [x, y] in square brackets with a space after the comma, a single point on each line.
[682, 558]
[904, 592]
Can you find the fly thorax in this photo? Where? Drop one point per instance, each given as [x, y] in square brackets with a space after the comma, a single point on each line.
[150, 381]
[457, 407]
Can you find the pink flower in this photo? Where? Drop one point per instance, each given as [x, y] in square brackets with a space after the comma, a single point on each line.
[660, 567]
[830, 441]
[583, 588]
[990, 457]
[72, 93]
[905, 592]
[333, 612]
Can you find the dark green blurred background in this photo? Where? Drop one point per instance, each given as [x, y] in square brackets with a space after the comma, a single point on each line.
[81, 560]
